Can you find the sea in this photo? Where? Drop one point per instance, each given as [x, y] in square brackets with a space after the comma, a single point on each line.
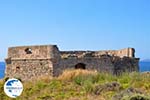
[144, 66]
[2, 69]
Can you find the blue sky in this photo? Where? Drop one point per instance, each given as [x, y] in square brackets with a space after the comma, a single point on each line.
[76, 24]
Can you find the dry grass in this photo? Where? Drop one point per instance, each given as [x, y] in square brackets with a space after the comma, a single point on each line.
[70, 74]
[79, 85]
[88, 97]
[44, 78]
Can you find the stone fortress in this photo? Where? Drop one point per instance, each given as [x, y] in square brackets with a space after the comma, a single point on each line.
[27, 62]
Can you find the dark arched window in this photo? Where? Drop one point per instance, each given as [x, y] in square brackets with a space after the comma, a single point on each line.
[80, 66]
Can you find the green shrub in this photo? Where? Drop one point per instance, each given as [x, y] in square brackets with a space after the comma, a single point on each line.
[83, 79]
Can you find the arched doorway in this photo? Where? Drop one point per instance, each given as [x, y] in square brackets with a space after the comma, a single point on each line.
[80, 66]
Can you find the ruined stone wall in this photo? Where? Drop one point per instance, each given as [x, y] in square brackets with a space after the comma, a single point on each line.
[32, 52]
[127, 52]
[27, 62]
[26, 69]
[103, 64]
[125, 64]
[31, 61]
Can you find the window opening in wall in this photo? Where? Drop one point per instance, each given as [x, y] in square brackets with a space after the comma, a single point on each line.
[17, 68]
[28, 51]
[80, 66]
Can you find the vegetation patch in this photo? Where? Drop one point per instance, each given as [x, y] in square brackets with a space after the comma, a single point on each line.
[85, 85]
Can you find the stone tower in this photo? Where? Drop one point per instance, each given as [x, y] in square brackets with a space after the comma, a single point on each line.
[31, 61]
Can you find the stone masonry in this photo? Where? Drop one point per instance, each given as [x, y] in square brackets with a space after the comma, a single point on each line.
[27, 62]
